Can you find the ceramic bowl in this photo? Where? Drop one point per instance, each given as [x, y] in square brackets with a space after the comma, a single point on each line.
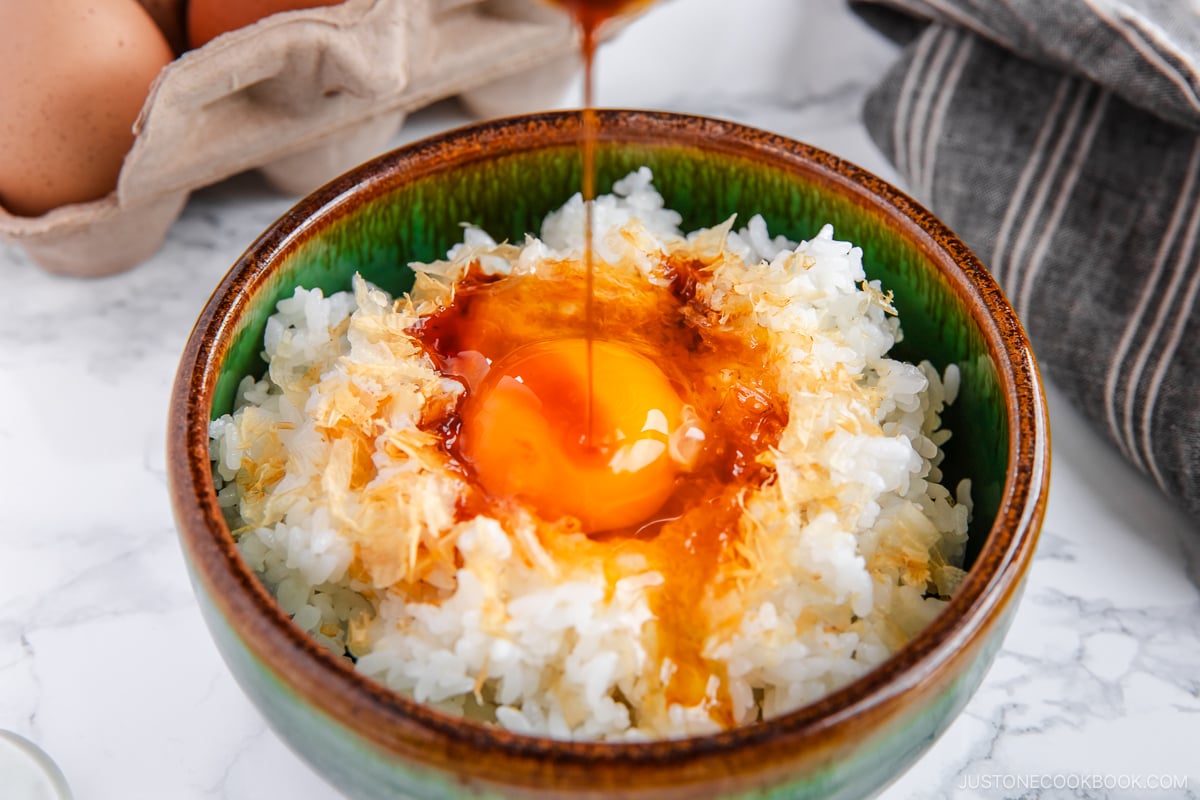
[505, 176]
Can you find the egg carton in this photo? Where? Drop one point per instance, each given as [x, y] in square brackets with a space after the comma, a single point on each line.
[302, 96]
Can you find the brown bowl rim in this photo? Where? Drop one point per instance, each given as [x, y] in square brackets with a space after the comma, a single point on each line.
[331, 682]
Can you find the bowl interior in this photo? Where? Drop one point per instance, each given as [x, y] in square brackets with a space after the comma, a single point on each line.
[410, 207]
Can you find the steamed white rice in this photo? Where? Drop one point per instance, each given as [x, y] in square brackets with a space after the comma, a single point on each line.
[847, 553]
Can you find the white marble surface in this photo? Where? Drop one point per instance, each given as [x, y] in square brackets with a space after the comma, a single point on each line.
[104, 660]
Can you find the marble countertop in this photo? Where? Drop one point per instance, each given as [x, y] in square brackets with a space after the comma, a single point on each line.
[104, 660]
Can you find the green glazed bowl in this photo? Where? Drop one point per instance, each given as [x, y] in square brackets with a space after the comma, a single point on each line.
[505, 176]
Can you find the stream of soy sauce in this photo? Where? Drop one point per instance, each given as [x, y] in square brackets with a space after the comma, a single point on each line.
[590, 16]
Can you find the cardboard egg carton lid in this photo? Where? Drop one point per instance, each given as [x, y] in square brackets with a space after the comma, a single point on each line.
[303, 96]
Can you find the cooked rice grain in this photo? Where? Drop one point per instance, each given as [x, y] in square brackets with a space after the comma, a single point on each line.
[346, 509]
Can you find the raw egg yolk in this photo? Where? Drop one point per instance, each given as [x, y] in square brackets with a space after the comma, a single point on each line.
[525, 433]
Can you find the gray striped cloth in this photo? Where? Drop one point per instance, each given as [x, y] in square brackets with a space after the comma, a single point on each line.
[1059, 139]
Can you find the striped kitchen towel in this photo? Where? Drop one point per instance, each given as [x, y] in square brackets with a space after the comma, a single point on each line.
[1061, 140]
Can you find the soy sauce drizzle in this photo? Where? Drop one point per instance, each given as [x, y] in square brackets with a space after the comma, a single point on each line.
[589, 17]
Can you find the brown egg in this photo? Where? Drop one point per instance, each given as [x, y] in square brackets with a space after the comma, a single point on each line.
[74, 77]
[208, 19]
[168, 16]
